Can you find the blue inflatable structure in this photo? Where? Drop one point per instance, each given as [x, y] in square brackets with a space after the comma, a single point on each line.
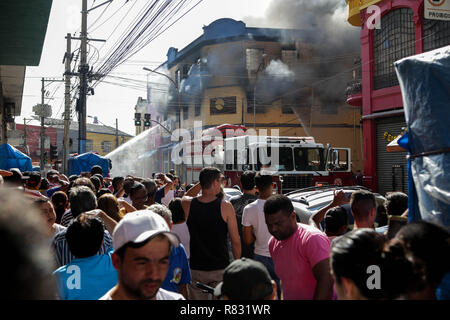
[84, 162]
[10, 158]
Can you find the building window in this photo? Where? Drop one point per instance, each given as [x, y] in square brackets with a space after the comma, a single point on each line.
[178, 77]
[395, 40]
[287, 106]
[436, 34]
[198, 107]
[252, 103]
[185, 112]
[287, 109]
[254, 59]
[289, 56]
[186, 68]
[89, 145]
[106, 146]
[328, 108]
[225, 105]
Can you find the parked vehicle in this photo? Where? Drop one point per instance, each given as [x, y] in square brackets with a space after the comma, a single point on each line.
[308, 201]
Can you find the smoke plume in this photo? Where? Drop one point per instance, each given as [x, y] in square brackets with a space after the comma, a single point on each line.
[327, 53]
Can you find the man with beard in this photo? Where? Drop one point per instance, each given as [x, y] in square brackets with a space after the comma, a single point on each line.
[142, 243]
[300, 253]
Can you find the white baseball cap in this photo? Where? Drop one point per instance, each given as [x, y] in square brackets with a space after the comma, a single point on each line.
[139, 226]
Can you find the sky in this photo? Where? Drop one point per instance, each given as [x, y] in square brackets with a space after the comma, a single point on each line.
[111, 101]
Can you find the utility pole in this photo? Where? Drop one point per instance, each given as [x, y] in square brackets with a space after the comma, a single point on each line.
[67, 60]
[42, 126]
[83, 70]
[43, 111]
[25, 135]
[117, 133]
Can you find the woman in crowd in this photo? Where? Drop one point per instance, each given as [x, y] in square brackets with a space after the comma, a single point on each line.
[365, 266]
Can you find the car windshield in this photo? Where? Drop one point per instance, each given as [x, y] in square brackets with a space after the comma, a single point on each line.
[309, 159]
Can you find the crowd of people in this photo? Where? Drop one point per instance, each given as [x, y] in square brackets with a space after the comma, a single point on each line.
[91, 237]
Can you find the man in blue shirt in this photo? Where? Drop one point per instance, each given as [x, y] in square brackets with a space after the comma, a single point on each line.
[89, 276]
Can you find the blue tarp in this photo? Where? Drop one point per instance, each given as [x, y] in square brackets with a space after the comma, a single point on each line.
[84, 162]
[425, 84]
[10, 158]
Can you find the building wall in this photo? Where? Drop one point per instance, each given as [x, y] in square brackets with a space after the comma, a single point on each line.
[33, 138]
[98, 138]
[60, 138]
[386, 99]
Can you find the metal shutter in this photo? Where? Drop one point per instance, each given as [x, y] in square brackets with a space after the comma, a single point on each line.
[391, 166]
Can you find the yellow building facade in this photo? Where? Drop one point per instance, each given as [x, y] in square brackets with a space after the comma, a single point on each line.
[104, 143]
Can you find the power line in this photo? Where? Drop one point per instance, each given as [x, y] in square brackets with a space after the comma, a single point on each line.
[155, 16]
[106, 20]
[101, 14]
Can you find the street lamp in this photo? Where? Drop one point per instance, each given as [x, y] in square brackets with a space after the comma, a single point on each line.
[175, 84]
[176, 87]
[165, 128]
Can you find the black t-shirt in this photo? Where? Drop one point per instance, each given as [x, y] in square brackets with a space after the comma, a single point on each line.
[239, 202]
[208, 233]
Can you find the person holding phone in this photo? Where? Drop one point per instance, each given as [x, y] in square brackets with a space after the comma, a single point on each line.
[339, 198]
[395, 205]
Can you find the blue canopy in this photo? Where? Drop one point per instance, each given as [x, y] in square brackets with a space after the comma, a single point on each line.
[84, 162]
[425, 84]
[10, 158]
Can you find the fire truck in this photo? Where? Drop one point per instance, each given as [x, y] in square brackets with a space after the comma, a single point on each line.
[294, 162]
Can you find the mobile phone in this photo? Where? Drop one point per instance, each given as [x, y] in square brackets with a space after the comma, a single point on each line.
[395, 224]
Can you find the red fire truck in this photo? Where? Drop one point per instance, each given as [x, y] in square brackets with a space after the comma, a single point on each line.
[294, 162]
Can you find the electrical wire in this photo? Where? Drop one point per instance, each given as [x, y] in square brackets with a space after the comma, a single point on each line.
[99, 17]
[155, 16]
[106, 20]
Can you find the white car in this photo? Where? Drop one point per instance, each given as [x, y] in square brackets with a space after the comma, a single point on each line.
[308, 201]
[231, 192]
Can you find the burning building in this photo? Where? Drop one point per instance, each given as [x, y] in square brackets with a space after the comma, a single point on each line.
[289, 79]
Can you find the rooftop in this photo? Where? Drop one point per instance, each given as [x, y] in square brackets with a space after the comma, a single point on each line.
[226, 29]
[90, 127]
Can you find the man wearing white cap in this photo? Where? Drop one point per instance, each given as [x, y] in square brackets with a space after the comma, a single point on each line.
[142, 243]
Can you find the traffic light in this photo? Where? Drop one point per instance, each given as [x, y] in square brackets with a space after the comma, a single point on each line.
[53, 152]
[137, 119]
[147, 122]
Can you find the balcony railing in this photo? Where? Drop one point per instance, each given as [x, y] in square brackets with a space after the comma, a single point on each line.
[354, 93]
[354, 7]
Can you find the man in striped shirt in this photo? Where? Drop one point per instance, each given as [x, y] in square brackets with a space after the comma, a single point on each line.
[82, 199]
[68, 216]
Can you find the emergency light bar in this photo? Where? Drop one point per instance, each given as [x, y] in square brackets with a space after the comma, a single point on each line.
[291, 139]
